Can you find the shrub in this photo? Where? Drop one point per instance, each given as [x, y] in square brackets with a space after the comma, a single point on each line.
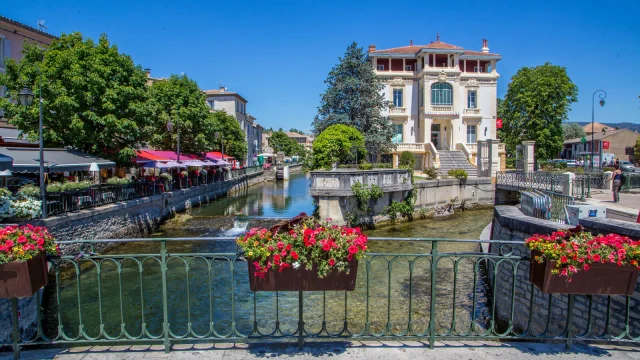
[458, 174]
[365, 166]
[431, 173]
[29, 190]
[54, 187]
[73, 186]
[382, 165]
[335, 144]
[363, 194]
[118, 181]
[510, 163]
[407, 160]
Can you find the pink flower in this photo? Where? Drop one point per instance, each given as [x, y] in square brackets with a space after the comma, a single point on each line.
[22, 239]
[353, 249]
[586, 267]
[332, 262]
[294, 255]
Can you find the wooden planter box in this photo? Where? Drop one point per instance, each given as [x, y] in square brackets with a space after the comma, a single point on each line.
[600, 279]
[301, 279]
[23, 279]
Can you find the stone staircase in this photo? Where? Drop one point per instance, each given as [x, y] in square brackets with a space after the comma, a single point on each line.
[455, 160]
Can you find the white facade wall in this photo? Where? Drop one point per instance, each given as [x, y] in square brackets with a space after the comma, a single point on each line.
[236, 107]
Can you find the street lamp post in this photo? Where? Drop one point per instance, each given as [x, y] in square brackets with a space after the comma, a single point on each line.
[25, 96]
[221, 136]
[602, 96]
[170, 129]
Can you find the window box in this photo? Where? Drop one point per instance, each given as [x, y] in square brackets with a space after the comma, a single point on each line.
[20, 279]
[301, 279]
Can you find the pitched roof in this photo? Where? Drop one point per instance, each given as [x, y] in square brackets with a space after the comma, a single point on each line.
[596, 136]
[27, 27]
[411, 49]
[479, 53]
[441, 45]
[218, 92]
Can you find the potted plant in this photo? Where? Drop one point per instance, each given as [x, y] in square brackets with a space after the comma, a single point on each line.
[307, 256]
[576, 262]
[166, 180]
[23, 266]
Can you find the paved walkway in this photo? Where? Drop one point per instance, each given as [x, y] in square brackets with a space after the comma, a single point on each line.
[341, 350]
[628, 206]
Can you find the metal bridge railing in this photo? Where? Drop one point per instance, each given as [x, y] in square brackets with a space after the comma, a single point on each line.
[632, 182]
[531, 180]
[172, 291]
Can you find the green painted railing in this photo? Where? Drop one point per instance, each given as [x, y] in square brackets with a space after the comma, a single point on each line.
[520, 180]
[171, 291]
[632, 181]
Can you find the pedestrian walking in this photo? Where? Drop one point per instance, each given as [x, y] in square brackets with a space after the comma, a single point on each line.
[617, 183]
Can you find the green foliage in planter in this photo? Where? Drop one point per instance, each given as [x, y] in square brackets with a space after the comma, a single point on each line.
[365, 193]
[407, 160]
[458, 174]
[54, 187]
[74, 186]
[166, 177]
[29, 190]
[365, 166]
[382, 166]
[118, 181]
[431, 173]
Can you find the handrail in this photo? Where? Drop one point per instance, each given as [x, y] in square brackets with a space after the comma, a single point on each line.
[435, 155]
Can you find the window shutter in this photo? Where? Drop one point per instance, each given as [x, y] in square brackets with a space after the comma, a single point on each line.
[7, 47]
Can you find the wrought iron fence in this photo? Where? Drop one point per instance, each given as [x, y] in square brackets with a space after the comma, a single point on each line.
[559, 204]
[632, 181]
[530, 180]
[98, 195]
[174, 291]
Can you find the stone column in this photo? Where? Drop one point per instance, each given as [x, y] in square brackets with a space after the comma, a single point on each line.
[394, 160]
[567, 183]
[494, 157]
[529, 155]
[427, 130]
[479, 155]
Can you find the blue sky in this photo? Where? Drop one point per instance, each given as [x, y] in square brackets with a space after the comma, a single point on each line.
[277, 54]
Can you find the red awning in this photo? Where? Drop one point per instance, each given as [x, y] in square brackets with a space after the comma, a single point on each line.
[217, 155]
[161, 155]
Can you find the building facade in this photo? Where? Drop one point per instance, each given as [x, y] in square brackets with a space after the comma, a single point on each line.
[12, 35]
[443, 97]
[620, 143]
[235, 105]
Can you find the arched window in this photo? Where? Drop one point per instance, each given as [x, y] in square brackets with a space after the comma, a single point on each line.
[441, 94]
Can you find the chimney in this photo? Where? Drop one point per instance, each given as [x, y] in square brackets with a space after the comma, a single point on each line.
[222, 88]
[372, 47]
[148, 72]
[411, 42]
[485, 45]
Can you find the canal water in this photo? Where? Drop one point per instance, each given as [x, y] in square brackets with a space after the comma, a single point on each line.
[211, 293]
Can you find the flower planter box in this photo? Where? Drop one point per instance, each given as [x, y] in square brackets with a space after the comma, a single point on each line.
[301, 279]
[600, 279]
[23, 279]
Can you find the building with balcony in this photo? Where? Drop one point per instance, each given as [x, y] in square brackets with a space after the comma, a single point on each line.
[235, 105]
[442, 96]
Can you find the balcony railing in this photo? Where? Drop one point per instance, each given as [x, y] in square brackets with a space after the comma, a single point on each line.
[473, 148]
[409, 147]
[441, 108]
[397, 110]
[474, 111]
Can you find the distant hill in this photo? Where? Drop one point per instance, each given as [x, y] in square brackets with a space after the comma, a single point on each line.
[622, 125]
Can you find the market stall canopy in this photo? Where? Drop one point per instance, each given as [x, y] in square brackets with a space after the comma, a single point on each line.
[159, 165]
[55, 160]
[217, 155]
[193, 163]
[5, 162]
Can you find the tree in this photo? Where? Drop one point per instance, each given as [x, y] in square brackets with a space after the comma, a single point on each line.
[354, 98]
[335, 144]
[279, 141]
[538, 99]
[95, 98]
[180, 100]
[636, 151]
[294, 130]
[234, 142]
[573, 131]
[407, 160]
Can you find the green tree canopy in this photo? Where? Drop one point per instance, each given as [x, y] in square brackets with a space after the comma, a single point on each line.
[636, 151]
[538, 100]
[279, 141]
[336, 144]
[95, 98]
[572, 131]
[180, 100]
[354, 98]
[235, 143]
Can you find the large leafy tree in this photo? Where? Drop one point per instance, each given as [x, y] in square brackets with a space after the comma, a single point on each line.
[180, 100]
[95, 98]
[279, 141]
[337, 143]
[235, 143]
[636, 151]
[354, 98]
[572, 131]
[538, 99]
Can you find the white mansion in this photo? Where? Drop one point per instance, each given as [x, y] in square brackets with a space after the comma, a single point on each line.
[443, 97]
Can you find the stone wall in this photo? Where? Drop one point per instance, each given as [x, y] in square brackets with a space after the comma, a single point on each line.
[530, 303]
[430, 193]
[130, 219]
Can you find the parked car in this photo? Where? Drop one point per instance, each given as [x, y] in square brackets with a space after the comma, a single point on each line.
[627, 166]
